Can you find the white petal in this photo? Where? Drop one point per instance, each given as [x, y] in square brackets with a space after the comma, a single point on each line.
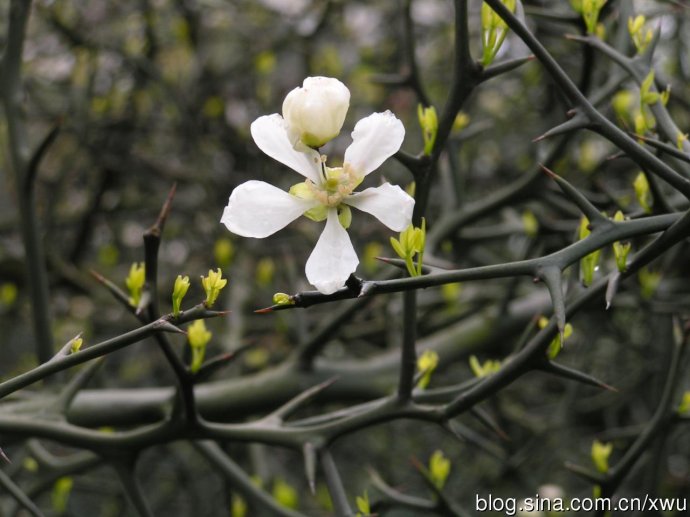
[333, 258]
[257, 209]
[270, 133]
[388, 203]
[375, 138]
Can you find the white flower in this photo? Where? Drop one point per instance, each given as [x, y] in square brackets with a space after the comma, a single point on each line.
[257, 209]
[316, 111]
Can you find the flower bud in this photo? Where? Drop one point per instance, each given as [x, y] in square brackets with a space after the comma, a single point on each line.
[316, 111]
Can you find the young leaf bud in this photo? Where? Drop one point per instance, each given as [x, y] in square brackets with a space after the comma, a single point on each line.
[600, 455]
[213, 284]
[179, 291]
[198, 337]
[439, 469]
[135, 282]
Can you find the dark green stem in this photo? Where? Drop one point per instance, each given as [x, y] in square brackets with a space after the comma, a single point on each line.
[408, 356]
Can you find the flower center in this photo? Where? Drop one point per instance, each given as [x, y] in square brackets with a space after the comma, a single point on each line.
[338, 183]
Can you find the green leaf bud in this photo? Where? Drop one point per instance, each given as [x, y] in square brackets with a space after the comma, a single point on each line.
[428, 121]
[223, 252]
[265, 269]
[135, 282]
[439, 469]
[641, 36]
[649, 282]
[590, 14]
[77, 342]
[588, 264]
[285, 494]
[179, 291]
[556, 344]
[213, 284]
[61, 493]
[621, 249]
[684, 406]
[482, 370]
[647, 96]
[530, 223]
[600, 455]
[426, 364]
[411, 243]
[494, 31]
[363, 505]
[198, 337]
[622, 104]
[643, 192]
[282, 299]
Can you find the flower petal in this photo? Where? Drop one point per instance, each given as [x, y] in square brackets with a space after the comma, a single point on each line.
[257, 209]
[388, 203]
[333, 258]
[270, 133]
[375, 138]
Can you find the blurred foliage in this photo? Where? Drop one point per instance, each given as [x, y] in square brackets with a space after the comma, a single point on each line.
[154, 92]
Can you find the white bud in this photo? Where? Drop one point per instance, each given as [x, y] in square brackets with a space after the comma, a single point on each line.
[316, 111]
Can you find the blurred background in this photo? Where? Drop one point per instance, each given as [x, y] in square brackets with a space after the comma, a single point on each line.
[149, 93]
